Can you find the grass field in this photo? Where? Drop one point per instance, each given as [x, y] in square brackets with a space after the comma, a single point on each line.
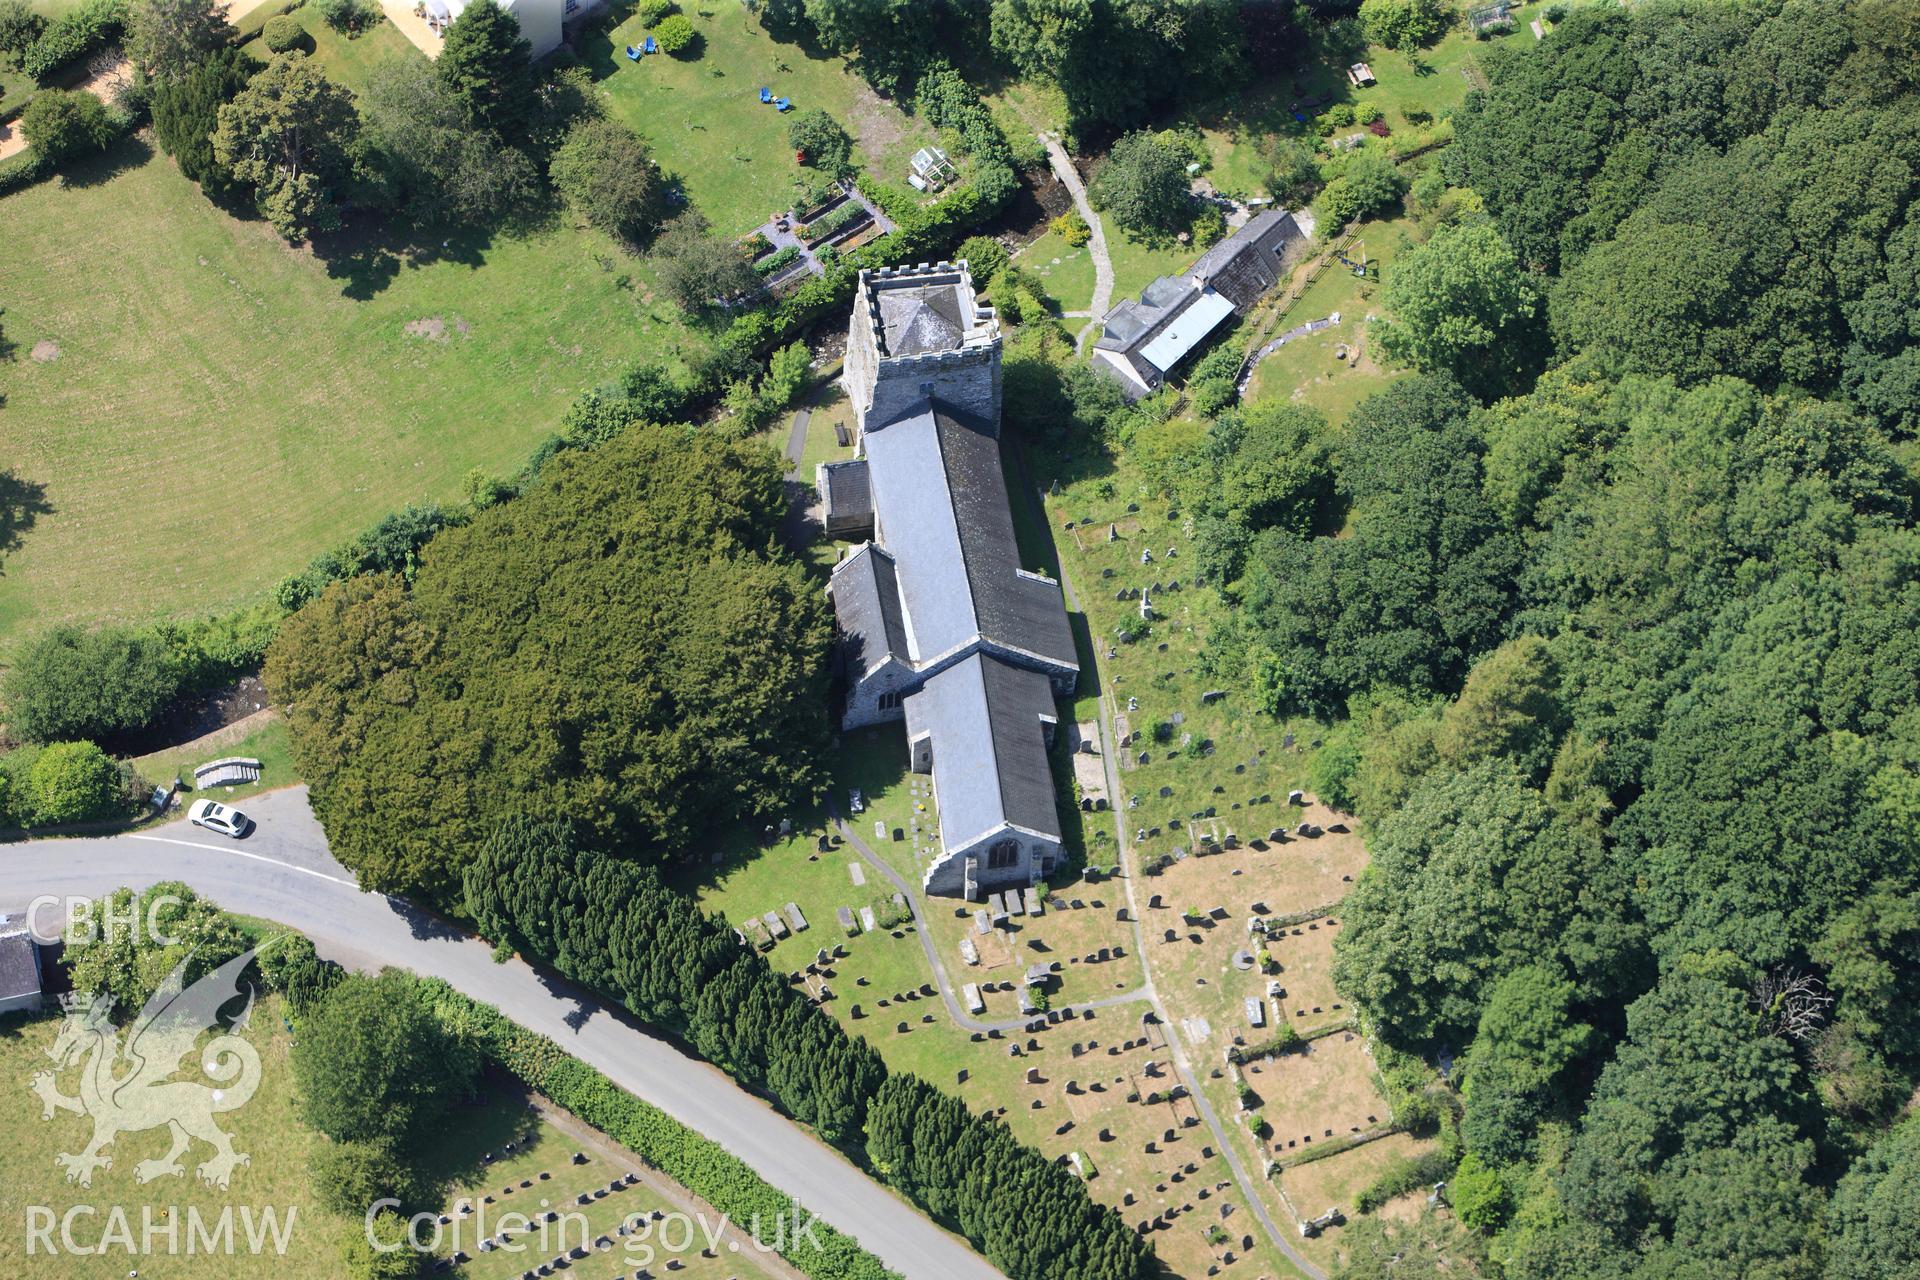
[210, 408]
[1307, 370]
[706, 123]
[266, 1129]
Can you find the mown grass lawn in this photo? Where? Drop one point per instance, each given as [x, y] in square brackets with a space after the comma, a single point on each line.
[222, 408]
[703, 115]
[266, 743]
[1064, 273]
[347, 61]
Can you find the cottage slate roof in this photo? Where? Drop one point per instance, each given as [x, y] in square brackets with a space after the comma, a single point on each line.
[922, 319]
[1241, 267]
[989, 748]
[19, 965]
[945, 518]
[1250, 261]
[865, 591]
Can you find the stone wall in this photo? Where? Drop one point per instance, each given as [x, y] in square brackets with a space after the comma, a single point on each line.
[947, 877]
[967, 380]
[864, 693]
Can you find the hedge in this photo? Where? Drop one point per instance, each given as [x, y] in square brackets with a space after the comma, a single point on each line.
[699, 1164]
[22, 172]
[1408, 1173]
[27, 168]
[88, 29]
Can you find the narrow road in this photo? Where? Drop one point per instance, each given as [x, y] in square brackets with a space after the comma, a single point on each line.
[1102, 264]
[1130, 873]
[284, 873]
[954, 1010]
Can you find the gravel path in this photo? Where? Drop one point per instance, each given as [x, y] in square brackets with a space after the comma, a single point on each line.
[1102, 264]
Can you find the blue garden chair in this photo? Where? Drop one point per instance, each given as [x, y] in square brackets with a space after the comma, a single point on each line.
[766, 94]
[651, 46]
[782, 105]
[633, 54]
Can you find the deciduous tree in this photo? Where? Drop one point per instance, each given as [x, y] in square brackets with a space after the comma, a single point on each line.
[72, 683]
[607, 176]
[169, 38]
[1144, 187]
[373, 1064]
[1462, 305]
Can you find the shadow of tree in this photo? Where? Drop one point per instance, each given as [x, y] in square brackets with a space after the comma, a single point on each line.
[97, 170]
[22, 502]
[457, 1154]
[367, 256]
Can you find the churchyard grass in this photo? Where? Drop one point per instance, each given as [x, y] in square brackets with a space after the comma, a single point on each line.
[1226, 756]
[543, 1158]
[1320, 1185]
[829, 406]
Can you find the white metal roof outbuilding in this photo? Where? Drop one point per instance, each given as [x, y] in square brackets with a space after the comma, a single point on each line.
[1171, 345]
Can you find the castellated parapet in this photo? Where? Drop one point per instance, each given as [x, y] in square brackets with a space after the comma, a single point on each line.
[926, 336]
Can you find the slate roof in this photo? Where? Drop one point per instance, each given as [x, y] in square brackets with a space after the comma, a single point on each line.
[921, 319]
[945, 518]
[1250, 261]
[865, 590]
[1241, 267]
[19, 965]
[989, 747]
[848, 494]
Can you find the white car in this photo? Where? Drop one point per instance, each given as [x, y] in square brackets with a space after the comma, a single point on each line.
[220, 818]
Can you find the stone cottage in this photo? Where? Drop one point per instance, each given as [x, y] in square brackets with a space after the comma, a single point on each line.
[1144, 340]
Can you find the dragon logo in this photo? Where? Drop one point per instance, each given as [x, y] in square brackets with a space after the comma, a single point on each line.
[128, 1089]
